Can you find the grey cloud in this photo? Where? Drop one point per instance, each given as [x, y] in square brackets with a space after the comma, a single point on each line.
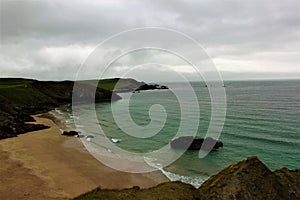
[228, 29]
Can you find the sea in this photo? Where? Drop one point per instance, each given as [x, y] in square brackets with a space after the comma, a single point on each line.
[262, 119]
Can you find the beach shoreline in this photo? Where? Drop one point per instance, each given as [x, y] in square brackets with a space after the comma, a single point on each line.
[46, 165]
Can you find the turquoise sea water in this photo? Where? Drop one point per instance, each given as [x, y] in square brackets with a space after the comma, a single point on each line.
[262, 119]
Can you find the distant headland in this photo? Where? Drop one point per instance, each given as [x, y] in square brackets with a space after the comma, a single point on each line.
[21, 98]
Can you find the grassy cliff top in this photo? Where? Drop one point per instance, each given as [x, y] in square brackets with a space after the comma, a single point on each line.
[117, 83]
[20, 91]
[20, 98]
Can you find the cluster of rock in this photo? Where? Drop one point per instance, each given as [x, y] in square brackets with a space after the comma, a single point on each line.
[192, 143]
[131, 85]
[151, 87]
[12, 120]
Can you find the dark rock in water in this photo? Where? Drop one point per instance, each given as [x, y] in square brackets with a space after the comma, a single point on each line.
[210, 143]
[191, 143]
[70, 133]
[163, 87]
[151, 87]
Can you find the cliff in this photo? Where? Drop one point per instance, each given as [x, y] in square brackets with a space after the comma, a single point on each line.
[20, 98]
[249, 179]
[121, 85]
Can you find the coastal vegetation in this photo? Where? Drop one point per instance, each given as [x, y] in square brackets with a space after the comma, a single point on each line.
[21, 98]
[248, 179]
[120, 85]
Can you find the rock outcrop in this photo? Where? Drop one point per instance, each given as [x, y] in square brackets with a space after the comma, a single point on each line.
[70, 133]
[249, 179]
[168, 190]
[128, 85]
[151, 87]
[191, 143]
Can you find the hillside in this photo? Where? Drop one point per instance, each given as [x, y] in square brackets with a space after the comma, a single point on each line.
[249, 179]
[120, 85]
[20, 98]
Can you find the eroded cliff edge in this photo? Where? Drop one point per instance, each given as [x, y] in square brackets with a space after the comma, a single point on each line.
[249, 179]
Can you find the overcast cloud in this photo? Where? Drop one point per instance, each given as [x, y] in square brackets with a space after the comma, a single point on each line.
[245, 39]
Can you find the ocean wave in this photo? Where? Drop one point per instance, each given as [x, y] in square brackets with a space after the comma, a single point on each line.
[58, 111]
[196, 181]
[270, 140]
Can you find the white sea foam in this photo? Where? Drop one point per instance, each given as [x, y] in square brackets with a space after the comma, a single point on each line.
[196, 181]
[115, 140]
[193, 180]
[58, 111]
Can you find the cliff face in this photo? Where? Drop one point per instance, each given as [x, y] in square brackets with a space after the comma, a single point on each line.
[289, 181]
[249, 179]
[20, 98]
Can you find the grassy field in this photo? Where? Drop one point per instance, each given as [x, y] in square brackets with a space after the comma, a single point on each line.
[20, 98]
[18, 91]
[14, 82]
[21, 91]
[115, 83]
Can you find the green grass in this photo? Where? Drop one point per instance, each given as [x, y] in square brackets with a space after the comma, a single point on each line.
[20, 95]
[110, 84]
[22, 91]
[11, 86]
[11, 83]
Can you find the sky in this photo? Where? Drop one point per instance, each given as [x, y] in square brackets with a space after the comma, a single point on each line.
[52, 40]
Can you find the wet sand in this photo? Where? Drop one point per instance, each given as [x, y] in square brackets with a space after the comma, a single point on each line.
[46, 165]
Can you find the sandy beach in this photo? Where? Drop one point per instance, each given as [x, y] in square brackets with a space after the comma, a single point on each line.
[46, 165]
